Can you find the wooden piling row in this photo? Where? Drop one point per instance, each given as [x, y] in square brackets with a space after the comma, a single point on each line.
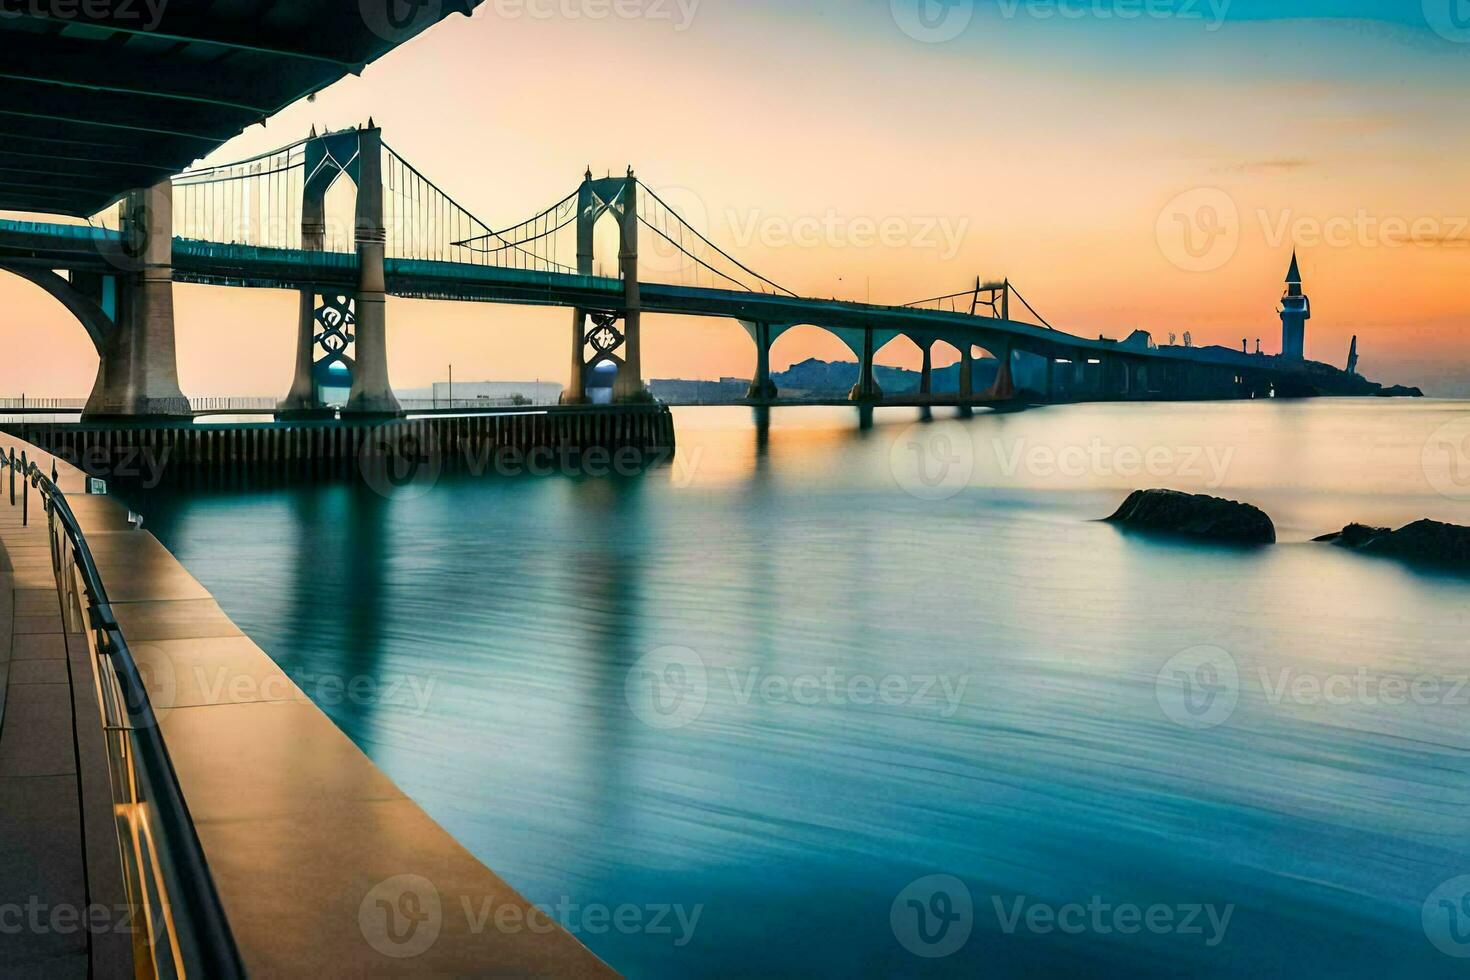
[221, 452]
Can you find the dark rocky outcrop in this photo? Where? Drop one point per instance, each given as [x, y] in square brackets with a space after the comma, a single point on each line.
[1430, 542]
[1399, 391]
[1196, 515]
[1354, 535]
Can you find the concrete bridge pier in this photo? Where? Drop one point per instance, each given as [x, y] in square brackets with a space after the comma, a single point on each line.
[575, 392]
[138, 373]
[866, 389]
[926, 371]
[629, 384]
[303, 400]
[371, 394]
[967, 373]
[762, 388]
[1004, 386]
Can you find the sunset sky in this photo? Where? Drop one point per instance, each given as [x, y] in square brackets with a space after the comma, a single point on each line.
[1061, 144]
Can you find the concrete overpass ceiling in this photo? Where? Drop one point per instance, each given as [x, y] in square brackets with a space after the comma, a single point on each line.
[95, 103]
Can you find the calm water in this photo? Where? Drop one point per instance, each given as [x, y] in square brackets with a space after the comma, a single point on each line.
[783, 682]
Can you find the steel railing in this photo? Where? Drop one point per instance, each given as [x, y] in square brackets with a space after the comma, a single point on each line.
[179, 928]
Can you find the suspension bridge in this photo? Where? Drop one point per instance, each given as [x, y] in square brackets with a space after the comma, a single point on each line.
[263, 223]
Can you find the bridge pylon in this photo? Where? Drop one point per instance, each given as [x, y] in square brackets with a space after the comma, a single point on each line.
[137, 370]
[608, 336]
[349, 331]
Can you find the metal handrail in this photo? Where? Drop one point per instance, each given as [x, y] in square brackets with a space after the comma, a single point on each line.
[205, 945]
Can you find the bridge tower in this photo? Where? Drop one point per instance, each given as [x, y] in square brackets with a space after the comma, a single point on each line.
[596, 337]
[1295, 310]
[328, 325]
[137, 370]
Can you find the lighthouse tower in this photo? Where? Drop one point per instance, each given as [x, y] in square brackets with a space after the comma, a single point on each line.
[1295, 310]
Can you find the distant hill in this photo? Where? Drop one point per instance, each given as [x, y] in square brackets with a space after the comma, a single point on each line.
[815, 377]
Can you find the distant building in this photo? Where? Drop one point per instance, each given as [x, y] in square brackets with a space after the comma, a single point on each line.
[493, 393]
[1296, 310]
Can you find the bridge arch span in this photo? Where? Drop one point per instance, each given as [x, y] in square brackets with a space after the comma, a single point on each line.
[792, 345]
[100, 327]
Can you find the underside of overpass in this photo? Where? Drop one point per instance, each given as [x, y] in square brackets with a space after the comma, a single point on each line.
[99, 99]
[103, 103]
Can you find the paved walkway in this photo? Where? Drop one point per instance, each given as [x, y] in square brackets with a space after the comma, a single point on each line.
[46, 884]
[323, 866]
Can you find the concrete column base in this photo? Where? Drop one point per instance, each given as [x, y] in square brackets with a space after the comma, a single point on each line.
[759, 392]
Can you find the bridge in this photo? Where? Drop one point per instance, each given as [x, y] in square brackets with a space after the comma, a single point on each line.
[262, 223]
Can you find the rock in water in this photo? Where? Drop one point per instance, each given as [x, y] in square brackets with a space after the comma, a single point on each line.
[1197, 515]
[1423, 541]
[1354, 535]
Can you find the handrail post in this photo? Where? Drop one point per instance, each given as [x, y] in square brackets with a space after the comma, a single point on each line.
[12, 476]
[25, 491]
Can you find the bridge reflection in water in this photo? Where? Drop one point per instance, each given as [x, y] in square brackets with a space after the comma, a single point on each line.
[523, 607]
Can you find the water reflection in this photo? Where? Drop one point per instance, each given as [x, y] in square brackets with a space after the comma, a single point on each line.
[798, 560]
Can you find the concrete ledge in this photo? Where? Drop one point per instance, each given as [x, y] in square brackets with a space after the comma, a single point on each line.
[323, 865]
